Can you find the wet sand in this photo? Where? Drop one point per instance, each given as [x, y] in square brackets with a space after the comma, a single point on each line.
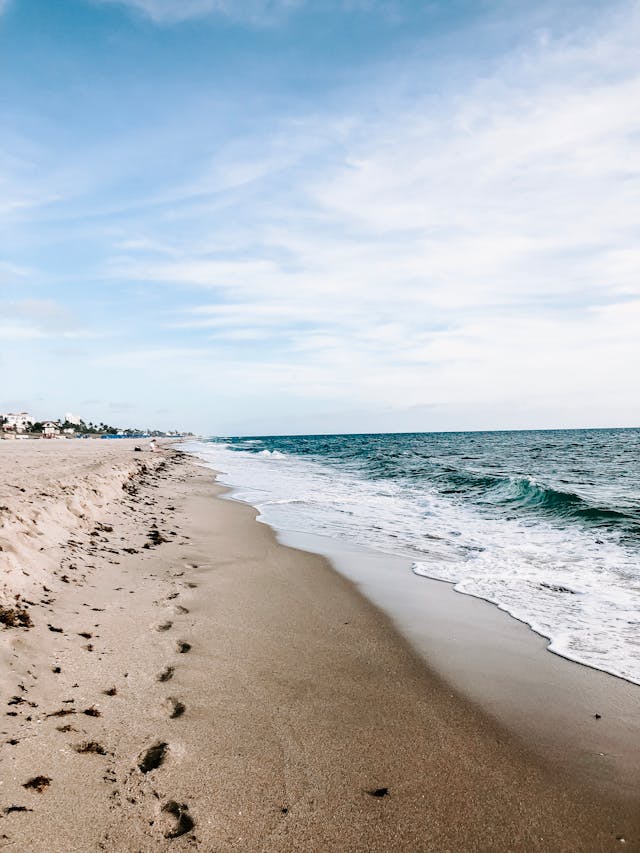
[583, 721]
[190, 683]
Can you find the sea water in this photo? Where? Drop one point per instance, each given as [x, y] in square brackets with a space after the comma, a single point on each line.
[545, 524]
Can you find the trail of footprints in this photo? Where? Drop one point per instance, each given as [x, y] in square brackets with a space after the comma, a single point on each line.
[172, 818]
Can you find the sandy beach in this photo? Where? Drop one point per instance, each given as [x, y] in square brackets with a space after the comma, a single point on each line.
[173, 678]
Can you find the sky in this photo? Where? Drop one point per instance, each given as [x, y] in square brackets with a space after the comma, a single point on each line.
[311, 216]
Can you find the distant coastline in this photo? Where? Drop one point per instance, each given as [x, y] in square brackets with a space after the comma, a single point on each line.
[23, 425]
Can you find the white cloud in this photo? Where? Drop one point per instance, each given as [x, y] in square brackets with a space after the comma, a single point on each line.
[473, 248]
[24, 185]
[397, 248]
[10, 273]
[19, 332]
[29, 319]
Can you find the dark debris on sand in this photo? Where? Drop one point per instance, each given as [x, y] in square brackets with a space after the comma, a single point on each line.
[15, 617]
[90, 746]
[38, 783]
[155, 538]
[378, 792]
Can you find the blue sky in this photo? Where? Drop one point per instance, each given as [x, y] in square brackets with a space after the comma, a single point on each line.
[255, 216]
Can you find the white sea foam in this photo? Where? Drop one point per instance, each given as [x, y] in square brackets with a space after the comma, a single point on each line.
[580, 591]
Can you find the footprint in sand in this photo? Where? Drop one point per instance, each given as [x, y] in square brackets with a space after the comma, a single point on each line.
[174, 707]
[164, 626]
[166, 674]
[183, 647]
[153, 757]
[175, 819]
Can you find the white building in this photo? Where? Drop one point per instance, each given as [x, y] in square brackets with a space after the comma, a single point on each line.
[72, 419]
[50, 429]
[18, 422]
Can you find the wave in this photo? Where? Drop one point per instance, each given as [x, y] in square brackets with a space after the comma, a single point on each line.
[527, 493]
[572, 620]
[547, 549]
[500, 486]
[284, 502]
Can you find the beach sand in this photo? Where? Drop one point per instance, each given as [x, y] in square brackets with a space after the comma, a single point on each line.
[187, 682]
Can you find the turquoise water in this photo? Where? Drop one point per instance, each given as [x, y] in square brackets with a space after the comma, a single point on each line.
[546, 524]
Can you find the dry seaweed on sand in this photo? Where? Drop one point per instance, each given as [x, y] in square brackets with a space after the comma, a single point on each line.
[15, 617]
[38, 783]
[90, 746]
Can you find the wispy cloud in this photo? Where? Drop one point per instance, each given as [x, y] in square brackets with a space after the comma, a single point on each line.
[23, 186]
[26, 319]
[258, 12]
[426, 236]
[254, 12]
[452, 249]
[19, 332]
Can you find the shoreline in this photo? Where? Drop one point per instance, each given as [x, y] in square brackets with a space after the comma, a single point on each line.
[296, 719]
[496, 661]
[559, 561]
[504, 667]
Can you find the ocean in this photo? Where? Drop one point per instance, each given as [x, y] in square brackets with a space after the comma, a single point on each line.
[544, 524]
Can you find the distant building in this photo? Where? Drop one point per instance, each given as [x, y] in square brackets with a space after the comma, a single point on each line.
[50, 429]
[70, 418]
[18, 422]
